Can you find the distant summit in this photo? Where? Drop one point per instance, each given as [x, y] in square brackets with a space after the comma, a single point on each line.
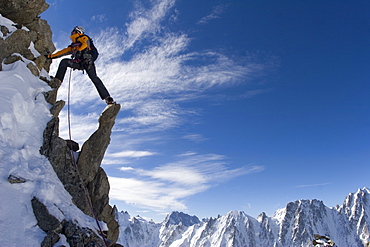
[177, 218]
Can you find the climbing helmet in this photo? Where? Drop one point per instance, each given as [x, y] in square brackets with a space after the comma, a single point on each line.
[79, 29]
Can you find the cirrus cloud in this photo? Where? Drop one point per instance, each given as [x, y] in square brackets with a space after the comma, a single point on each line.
[165, 187]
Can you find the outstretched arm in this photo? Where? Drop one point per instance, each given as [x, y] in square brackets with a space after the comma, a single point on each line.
[61, 53]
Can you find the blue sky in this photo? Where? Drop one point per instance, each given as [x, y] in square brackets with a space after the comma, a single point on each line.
[226, 105]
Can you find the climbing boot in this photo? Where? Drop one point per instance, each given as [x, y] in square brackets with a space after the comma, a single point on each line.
[109, 100]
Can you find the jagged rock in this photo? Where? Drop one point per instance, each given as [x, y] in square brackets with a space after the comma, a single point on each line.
[57, 107]
[77, 236]
[21, 11]
[12, 59]
[93, 150]
[45, 220]
[51, 239]
[41, 36]
[59, 155]
[34, 70]
[99, 189]
[18, 42]
[16, 179]
[54, 83]
[95, 179]
[4, 30]
[51, 140]
[51, 96]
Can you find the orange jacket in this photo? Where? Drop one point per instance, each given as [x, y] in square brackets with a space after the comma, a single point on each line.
[78, 44]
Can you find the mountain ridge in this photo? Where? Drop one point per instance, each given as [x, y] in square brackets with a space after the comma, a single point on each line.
[294, 225]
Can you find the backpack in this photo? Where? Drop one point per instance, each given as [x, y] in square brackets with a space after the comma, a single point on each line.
[92, 48]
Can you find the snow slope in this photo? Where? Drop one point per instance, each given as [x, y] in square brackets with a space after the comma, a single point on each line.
[24, 114]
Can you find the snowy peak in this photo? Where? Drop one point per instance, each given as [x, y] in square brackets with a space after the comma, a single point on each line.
[301, 220]
[122, 217]
[177, 218]
[301, 209]
[355, 203]
[238, 229]
[356, 207]
[136, 231]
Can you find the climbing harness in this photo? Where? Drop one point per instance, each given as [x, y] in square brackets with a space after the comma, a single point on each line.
[87, 196]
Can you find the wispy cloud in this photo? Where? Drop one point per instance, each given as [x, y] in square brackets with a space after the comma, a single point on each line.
[132, 154]
[171, 183]
[194, 137]
[99, 18]
[147, 194]
[216, 13]
[312, 185]
[189, 153]
[126, 168]
[147, 22]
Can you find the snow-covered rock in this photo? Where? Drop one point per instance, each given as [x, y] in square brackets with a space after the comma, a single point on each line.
[35, 207]
[24, 115]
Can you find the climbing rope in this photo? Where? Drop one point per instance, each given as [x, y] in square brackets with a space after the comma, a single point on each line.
[87, 196]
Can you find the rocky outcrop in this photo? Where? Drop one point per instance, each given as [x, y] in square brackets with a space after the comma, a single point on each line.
[92, 152]
[28, 39]
[75, 235]
[16, 179]
[82, 170]
[21, 11]
[94, 177]
[30, 32]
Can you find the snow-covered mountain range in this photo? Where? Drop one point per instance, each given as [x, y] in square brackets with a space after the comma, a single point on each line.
[295, 225]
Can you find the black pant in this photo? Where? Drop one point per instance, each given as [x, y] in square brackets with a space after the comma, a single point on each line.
[90, 70]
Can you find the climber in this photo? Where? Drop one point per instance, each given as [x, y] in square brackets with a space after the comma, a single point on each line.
[84, 54]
